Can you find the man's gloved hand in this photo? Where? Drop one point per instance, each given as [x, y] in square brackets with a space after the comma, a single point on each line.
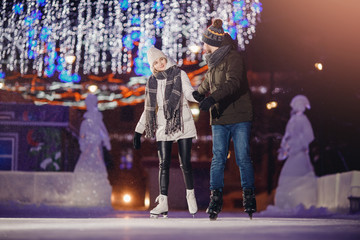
[207, 103]
[198, 97]
[137, 140]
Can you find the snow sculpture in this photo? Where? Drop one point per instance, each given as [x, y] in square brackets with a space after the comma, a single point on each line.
[91, 185]
[297, 182]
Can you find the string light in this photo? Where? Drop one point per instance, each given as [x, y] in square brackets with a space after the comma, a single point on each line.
[66, 39]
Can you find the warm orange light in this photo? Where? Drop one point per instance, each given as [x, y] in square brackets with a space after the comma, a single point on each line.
[127, 198]
[92, 88]
[319, 66]
[271, 105]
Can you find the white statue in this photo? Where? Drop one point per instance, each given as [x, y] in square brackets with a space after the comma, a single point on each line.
[297, 181]
[91, 186]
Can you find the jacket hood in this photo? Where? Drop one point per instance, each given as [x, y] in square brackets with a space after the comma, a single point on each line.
[229, 41]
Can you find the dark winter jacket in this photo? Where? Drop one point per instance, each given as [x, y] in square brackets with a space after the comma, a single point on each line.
[228, 85]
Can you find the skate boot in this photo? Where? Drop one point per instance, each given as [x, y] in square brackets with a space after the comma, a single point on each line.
[249, 201]
[215, 204]
[191, 201]
[161, 208]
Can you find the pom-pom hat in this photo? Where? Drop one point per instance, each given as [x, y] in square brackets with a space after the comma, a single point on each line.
[214, 34]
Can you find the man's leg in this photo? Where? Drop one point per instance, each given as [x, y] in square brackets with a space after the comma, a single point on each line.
[241, 138]
[221, 137]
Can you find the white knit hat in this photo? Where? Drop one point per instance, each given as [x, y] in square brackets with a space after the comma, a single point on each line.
[153, 54]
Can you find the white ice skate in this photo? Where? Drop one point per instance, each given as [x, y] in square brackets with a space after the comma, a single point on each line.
[161, 208]
[191, 201]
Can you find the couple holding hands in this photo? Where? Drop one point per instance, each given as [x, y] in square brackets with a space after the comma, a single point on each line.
[167, 118]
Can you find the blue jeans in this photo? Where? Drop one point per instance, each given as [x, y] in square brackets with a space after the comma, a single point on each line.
[240, 134]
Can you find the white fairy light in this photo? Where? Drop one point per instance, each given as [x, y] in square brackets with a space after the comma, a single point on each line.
[110, 36]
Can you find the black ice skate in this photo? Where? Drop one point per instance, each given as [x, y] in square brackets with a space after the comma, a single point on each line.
[215, 204]
[249, 201]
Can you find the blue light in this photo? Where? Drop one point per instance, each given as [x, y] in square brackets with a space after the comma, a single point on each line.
[135, 35]
[159, 23]
[158, 6]
[2, 75]
[31, 54]
[53, 56]
[238, 15]
[31, 32]
[244, 23]
[36, 15]
[50, 46]
[45, 32]
[76, 78]
[41, 2]
[65, 76]
[232, 31]
[59, 68]
[124, 4]
[142, 68]
[135, 20]
[18, 8]
[29, 21]
[49, 71]
[32, 43]
[257, 7]
[61, 60]
[239, 4]
[127, 42]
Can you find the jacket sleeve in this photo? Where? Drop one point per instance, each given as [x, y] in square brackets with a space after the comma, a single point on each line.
[234, 71]
[204, 86]
[140, 127]
[186, 87]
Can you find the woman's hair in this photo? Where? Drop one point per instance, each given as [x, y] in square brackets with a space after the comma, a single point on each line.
[154, 69]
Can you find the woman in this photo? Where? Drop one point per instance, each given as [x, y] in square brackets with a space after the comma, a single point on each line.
[168, 118]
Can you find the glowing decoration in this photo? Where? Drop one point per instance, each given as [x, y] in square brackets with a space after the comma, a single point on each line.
[18, 8]
[271, 105]
[319, 66]
[127, 198]
[93, 88]
[70, 59]
[111, 36]
[102, 32]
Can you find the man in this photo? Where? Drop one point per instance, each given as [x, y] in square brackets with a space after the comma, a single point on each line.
[230, 114]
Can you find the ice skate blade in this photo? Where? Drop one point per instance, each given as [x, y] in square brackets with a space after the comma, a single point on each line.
[213, 217]
[164, 215]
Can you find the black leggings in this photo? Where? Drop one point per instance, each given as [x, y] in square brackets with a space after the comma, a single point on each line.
[164, 152]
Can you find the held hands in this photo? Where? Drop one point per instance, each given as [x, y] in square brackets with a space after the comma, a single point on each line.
[207, 103]
[198, 97]
[137, 140]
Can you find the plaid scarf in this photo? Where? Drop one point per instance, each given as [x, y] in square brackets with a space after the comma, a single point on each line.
[172, 102]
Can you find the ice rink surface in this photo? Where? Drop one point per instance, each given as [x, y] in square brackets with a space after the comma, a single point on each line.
[179, 225]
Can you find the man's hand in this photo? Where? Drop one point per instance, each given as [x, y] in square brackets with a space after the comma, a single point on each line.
[198, 97]
[206, 104]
